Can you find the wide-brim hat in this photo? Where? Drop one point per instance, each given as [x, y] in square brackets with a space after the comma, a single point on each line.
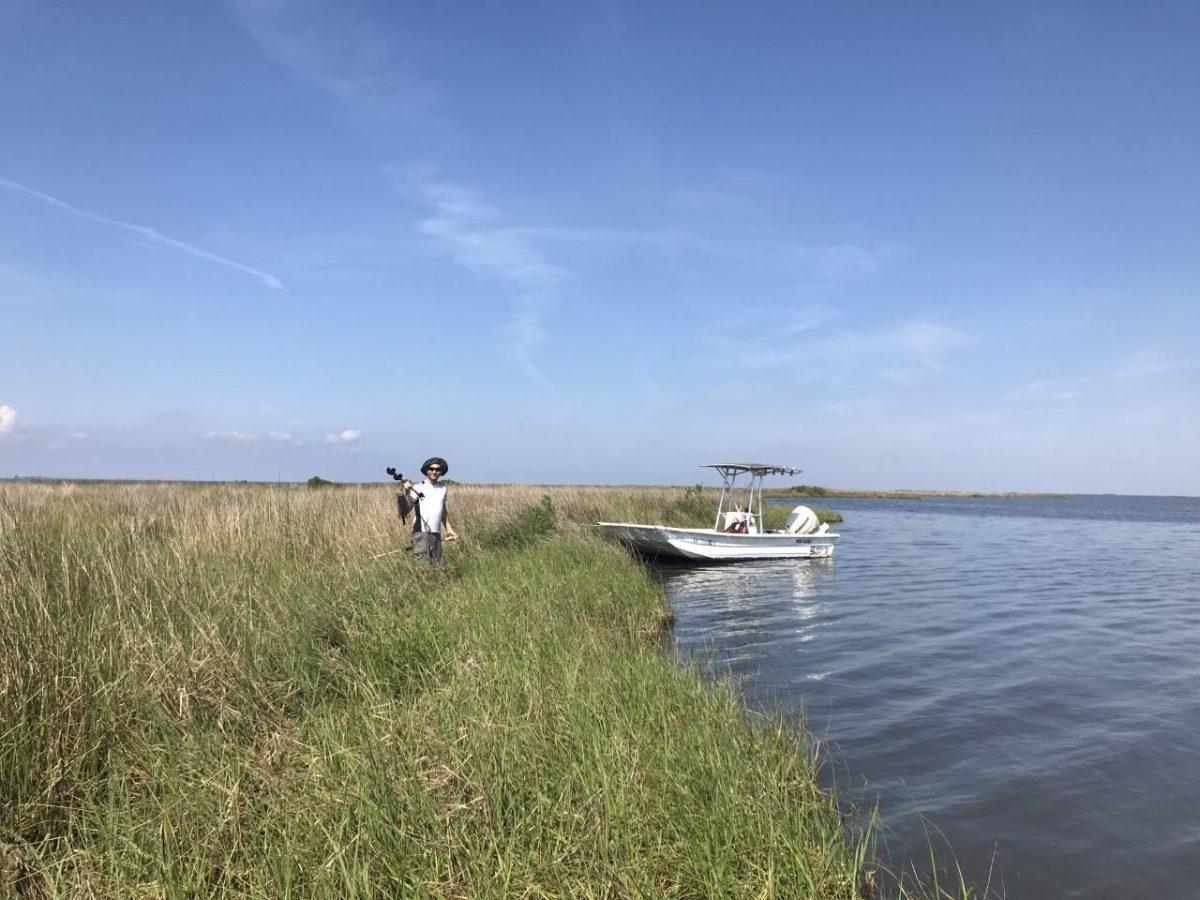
[435, 461]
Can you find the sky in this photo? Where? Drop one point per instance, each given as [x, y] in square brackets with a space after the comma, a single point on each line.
[922, 245]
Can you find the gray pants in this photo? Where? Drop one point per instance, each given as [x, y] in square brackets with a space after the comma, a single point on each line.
[427, 544]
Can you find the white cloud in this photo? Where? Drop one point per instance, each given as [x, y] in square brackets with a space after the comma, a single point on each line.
[8, 419]
[79, 435]
[236, 435]
[474, 233]
[146, 234]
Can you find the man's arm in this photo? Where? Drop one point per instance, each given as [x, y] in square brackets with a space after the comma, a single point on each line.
[447, 527]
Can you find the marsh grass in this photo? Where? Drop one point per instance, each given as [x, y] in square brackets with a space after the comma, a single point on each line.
[215, 691]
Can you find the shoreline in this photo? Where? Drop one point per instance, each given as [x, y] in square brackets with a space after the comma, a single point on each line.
[847, 493]
[250, 694]
[794, 491]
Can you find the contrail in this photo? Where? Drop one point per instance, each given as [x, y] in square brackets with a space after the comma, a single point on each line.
[147, 234]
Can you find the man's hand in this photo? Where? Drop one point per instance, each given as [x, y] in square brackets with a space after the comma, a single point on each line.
[451, 536]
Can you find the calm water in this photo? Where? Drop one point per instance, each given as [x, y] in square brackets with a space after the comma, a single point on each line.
[1021, 675]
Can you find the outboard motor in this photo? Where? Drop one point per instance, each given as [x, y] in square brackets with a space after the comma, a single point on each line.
[802, 520]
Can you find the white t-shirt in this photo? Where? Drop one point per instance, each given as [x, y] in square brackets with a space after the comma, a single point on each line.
[431, 507]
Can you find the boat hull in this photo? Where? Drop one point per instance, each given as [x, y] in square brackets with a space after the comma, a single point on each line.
[718, 546]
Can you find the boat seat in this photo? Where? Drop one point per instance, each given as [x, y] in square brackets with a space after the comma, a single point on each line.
[738, 522]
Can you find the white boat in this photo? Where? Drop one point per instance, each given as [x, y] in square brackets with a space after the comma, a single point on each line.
[737, 532]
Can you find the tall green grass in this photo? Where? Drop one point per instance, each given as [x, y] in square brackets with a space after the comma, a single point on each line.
[218, 691]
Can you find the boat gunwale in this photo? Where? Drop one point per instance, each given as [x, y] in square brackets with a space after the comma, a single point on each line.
[713, 531]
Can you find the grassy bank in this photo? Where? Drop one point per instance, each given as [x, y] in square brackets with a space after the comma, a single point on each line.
[211, 691]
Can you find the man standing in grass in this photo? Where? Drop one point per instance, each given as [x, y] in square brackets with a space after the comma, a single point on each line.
[429, 510]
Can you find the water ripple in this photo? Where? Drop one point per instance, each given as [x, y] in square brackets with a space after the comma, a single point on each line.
[1022, 674]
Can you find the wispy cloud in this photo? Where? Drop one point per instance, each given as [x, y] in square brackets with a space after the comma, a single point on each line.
[656, 237]
[527, 334]
[753, 336]
[477, 237]
[8, 419]
[146, 234]
[277, 435]
[730, 192]
[1050, 390]
[799, 319]
[904, 353]
[474, 233]
[927, 342]
[229, 434]
[1143, 364]
[349, 436]
[347, 54]
[835, 262]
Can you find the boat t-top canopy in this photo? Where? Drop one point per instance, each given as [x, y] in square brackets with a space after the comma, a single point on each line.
[753, 497]
[758, 470]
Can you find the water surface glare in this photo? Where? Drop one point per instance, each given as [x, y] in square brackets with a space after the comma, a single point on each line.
[1021, 675]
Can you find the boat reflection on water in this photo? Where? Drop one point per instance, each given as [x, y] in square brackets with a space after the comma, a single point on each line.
[757, 608]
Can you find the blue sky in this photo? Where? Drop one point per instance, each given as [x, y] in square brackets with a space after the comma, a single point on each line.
[930, 245]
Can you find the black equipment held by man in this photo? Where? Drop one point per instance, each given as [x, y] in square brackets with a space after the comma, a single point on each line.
[404, 503]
